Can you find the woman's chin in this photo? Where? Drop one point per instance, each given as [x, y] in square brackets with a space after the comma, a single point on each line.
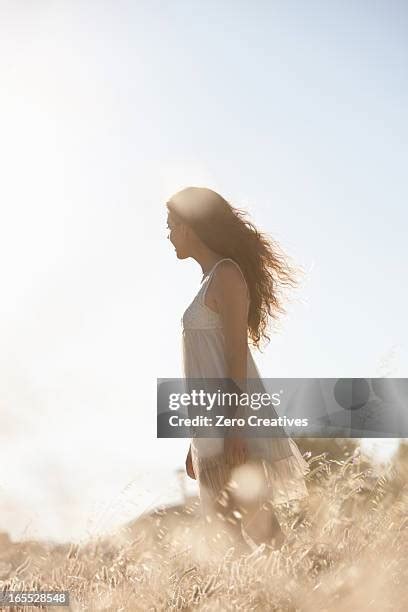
[181, 255]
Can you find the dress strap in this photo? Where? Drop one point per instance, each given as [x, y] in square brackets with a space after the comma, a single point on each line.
[210, 274]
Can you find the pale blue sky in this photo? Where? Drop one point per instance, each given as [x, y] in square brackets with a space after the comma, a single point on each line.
[295, 111]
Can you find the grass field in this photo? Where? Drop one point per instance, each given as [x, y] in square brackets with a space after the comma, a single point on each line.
[346, 548]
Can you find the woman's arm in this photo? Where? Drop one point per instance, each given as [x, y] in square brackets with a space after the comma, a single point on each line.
[232, 302]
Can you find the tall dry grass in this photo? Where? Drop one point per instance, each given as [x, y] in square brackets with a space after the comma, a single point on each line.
[346, 548]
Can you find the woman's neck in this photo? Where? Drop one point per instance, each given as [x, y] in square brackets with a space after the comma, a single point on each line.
[207, 261]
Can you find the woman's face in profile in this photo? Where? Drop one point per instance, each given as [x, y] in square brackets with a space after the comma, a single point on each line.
[177, 236]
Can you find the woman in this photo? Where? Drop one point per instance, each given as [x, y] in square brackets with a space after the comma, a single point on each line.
[240, 479]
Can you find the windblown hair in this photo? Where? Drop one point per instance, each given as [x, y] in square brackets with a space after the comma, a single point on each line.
[228, 231]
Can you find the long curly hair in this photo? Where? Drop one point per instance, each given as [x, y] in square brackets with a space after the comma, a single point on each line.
[229, 232]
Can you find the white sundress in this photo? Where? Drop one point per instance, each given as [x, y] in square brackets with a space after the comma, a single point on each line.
[204, 358]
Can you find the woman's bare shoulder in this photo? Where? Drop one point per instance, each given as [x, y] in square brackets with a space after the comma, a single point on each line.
[229, 277]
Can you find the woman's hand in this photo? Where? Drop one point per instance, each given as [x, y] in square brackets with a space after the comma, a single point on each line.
[235, 449]
[189, 465]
